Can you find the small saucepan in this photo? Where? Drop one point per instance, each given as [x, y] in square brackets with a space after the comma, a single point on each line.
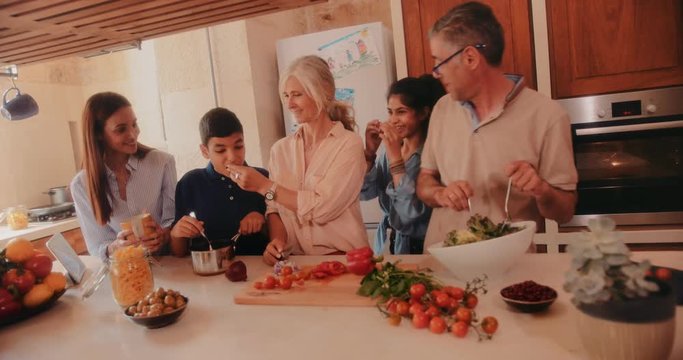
[214, 261]
[58, 195]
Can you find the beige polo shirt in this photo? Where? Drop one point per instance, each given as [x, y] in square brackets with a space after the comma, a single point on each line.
[531, 127]
[328, 218]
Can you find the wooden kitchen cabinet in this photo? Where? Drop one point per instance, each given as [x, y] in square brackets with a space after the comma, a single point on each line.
[514, 16]
[74, 237]
[603, 46]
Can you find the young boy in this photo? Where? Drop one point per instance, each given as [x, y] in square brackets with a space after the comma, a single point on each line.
[222, 208]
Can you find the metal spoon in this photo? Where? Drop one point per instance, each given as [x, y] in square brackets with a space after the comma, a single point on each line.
[193, 215]
[507, 199]
[469, 206]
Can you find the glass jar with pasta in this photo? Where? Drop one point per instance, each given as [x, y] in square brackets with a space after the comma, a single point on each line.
[130, 275]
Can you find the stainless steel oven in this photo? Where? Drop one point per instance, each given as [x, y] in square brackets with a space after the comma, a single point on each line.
[628, 149]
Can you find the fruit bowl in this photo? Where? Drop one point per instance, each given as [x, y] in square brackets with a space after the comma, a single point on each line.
[528, 296]
[154, 322]
[26, 313]
[491, 257]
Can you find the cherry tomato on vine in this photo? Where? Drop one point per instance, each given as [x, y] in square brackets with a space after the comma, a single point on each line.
[418, 290]
[437, 325]
[471, 301]
[489, 325]
[459, 329]
[420, 320]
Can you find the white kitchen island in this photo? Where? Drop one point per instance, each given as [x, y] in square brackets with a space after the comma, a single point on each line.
[214, 327]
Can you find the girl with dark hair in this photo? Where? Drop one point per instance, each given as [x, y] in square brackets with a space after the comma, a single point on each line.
[121, 178]
[392, 176]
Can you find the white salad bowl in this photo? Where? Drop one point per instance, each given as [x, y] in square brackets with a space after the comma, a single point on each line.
[493, 257]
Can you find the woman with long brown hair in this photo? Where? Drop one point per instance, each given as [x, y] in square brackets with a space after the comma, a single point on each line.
[120, 179]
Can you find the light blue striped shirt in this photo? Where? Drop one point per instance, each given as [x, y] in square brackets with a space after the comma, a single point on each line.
[150, 188]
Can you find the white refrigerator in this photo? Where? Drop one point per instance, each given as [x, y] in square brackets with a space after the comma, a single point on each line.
[361, 57]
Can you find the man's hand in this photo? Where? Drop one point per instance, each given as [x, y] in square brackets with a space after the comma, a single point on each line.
[252, 223]
[454, 195]
[525, 179]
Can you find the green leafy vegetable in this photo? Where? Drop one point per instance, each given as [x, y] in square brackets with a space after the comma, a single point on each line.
[479, 228]
[392, 282]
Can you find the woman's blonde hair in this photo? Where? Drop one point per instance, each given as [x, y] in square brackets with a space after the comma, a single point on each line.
[316, 78]
[98, 109]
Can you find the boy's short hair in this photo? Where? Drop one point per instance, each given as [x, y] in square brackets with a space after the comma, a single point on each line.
[218, 122]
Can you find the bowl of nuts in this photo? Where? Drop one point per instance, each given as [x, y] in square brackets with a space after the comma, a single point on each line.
[158, 308]
[528, 296]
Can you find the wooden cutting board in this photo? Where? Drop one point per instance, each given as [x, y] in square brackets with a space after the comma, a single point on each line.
[332, 291]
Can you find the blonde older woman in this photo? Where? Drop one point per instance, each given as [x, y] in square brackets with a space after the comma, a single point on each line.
[315, 174]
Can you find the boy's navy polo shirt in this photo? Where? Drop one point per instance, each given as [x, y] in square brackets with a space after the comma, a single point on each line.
[221, 205]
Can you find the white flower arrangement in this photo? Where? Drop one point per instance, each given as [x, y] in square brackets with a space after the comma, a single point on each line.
[601, 268]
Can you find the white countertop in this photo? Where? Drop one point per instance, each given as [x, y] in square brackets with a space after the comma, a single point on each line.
[37, 230]
[213, 326]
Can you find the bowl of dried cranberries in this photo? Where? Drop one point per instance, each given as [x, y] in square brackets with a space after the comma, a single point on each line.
[528, 296]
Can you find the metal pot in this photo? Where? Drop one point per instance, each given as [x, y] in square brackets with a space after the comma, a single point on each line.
[212, 262]
[58, 195]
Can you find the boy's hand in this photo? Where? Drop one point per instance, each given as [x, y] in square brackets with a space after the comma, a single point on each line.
[187, 227]
[252, 223]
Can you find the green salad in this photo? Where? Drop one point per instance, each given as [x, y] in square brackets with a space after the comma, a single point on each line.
[479, 228]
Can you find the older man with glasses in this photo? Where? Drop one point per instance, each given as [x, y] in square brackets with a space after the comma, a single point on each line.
[489, 129]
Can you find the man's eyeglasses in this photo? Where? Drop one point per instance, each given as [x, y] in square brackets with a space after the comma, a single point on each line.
[436, 67]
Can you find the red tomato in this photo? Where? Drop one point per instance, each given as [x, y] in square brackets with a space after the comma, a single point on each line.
[10, 308]
[258, 285]
[403, 308]
[417, 290]
[471, 301]
[464, 314]
[459, 329]
[420, 320]
[432, 311]
[391, 306]
[286, 283]
[270, 282]
[443, 300]
[455, 292]
[489, 325]
[39, 264]
[287, 270]
[437, 325]
[414, 308]
[23, 281]
[663, 274]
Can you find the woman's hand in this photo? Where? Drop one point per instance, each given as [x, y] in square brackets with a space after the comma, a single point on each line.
[248, 178]
[372, 137]
[123, 238]
[392, 142]
[187, 227]
[274, 251]
[252, 223]
[155, 239]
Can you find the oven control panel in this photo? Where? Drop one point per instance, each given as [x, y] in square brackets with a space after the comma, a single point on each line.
[620, 106]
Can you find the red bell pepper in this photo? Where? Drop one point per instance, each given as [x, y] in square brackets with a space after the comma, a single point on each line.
[360, 261]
